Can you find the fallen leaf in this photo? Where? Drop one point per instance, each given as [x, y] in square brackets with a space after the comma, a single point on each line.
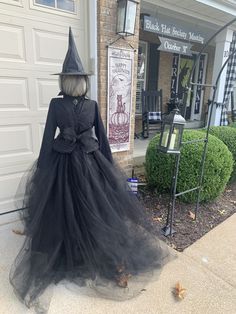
[205, 259]
[173, 246]
[122, 280]
[233, 202]
[191, 215]
[144, 290]
[222, 212]
[18, 232]
[228, 191]
[120, 268]
[157, 219]
[179, 291]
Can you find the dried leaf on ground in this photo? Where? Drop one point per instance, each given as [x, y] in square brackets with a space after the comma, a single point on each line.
[173, 246]
[233, 202]
[19, 232]
[120, 268]
[191, 215]
[122, 280]
[179, 291]
[222, 212]
[228, 191]
[157, 219]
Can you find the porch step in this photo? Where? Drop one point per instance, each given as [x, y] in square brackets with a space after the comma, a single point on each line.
[139, 170]
[138, 164]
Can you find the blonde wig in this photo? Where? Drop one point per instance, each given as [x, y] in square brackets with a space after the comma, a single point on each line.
[74, 85]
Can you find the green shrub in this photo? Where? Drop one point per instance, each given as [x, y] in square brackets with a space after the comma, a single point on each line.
[233, 125]
[227, 135]
[218, 167]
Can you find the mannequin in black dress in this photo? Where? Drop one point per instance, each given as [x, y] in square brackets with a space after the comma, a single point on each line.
[81, 223]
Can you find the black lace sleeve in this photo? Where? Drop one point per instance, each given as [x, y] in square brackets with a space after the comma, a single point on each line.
[101, 135]
[48, 137]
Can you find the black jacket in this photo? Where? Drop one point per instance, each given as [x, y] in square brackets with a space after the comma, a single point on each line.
[80, 123]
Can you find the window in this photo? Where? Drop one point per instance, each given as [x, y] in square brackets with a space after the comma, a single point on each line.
[65, 5]
[141, 76]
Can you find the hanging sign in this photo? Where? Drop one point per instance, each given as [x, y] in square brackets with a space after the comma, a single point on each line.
[120, 78]
[180, 31]
[175, 46]
[200, 78]
[174, 76]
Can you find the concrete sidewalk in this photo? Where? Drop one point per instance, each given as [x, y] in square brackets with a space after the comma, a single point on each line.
[207, 269]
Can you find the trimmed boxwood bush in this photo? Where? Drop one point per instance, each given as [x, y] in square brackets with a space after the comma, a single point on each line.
[227, 135]
[218, 167]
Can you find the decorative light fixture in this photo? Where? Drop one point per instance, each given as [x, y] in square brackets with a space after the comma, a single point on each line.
[170, 142]
[172, 132]
[126, 16]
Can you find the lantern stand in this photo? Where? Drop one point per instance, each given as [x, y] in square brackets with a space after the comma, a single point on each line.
[170, 142]
[168, 229]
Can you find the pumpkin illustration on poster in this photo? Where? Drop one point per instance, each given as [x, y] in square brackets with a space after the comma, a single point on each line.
[119, 123]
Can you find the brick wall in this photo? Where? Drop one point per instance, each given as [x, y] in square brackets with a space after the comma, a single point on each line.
[164, 80]
[107, 12]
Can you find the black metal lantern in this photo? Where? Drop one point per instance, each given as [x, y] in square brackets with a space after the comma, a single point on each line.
[126, 16]
[172, 132]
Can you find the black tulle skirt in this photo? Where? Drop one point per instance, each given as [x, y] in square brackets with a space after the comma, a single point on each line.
[82, 225]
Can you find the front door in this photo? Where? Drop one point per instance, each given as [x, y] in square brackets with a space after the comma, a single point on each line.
[181, 69]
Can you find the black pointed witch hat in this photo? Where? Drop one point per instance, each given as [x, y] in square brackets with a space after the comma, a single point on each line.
[72, 64]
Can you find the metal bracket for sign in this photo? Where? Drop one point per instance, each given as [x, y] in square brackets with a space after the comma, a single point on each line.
[168, 229]
[117, 39]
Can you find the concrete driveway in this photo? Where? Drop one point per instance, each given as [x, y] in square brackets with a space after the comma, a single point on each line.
[207, 269]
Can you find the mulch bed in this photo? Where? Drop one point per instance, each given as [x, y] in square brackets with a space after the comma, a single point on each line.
[188, 230]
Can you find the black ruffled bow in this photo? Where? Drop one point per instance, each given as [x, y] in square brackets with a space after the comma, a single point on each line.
[68, 139]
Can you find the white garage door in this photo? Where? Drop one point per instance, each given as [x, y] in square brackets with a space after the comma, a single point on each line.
[33, 44]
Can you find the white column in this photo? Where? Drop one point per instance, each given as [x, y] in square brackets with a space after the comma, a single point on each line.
[223, 41]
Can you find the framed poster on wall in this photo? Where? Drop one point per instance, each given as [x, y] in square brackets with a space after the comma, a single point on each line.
[120, 82]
